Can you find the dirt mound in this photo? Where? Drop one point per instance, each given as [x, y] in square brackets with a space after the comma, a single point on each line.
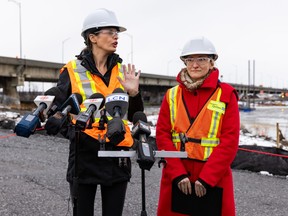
[259, 158]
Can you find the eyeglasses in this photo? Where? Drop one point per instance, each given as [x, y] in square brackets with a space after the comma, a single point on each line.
[109, 32]
[199, 60]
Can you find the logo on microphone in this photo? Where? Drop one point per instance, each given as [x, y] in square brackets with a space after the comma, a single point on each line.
[95, 100]
[117, 97]
[44, 97]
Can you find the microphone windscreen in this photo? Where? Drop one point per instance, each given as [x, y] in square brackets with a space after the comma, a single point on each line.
[73, 101]
[139, 115]
[118, 90]
[79, 98]
[54, 91]
[96, 96]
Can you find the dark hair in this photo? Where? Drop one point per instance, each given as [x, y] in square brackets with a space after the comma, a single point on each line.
[86, 37]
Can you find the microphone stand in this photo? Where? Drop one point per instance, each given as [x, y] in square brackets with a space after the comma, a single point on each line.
[143, 212]
[75, 177]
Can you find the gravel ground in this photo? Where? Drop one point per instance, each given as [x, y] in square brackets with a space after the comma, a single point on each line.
[32, 183]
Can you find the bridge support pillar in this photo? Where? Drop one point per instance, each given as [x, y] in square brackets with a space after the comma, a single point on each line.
[155, 98]
[10, 95]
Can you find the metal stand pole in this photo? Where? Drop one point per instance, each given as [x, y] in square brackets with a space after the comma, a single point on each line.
[143, 212]
[75, 177]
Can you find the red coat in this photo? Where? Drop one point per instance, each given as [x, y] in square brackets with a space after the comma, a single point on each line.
[216, 171]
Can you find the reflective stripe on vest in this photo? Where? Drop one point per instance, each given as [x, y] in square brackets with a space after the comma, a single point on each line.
[173, 104]
[83, 77]
[199, 145]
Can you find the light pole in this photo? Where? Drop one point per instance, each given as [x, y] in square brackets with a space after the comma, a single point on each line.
[131, 38]
[20, 26]
[63, 42]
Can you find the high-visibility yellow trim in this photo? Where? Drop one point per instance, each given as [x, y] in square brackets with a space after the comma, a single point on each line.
[210, 142]
[78, 80]
[216, 116]
[73, 64]
[80, 86]
[207, 152]
[175, 137]
[172, 101]
[173, 104]
[92, 83]
[121, 72]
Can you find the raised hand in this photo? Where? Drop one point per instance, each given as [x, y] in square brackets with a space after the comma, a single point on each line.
[131, 79]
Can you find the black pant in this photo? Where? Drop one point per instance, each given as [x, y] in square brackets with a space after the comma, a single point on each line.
[113, 198]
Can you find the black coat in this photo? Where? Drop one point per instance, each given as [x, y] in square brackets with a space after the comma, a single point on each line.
[91, 168]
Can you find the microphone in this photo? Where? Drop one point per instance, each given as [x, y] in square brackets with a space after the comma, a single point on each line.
[43, 103]
[56, 122]
[140, 131]
[117, 103]
[58, 97]
[52, 110]
[93, 104]
[72, 104]
[31, 121]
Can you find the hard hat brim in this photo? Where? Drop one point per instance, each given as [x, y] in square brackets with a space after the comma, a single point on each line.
[120, 28]
[182, 57]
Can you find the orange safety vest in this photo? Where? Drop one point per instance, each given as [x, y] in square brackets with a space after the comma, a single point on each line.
[200, 138]
[86, 84]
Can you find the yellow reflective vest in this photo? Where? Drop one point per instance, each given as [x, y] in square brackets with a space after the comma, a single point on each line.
[202, 136]
[86, 84]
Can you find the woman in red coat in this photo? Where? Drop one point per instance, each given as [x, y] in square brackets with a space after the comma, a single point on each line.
[199, 116]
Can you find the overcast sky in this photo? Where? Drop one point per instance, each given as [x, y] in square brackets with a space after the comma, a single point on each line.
[240, 30]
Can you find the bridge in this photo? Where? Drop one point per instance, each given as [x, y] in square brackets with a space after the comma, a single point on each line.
[14, 71]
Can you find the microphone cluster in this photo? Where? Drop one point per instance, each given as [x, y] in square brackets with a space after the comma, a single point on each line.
[116, 105]
[72, 106]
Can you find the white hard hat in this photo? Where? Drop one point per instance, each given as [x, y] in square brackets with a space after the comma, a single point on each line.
[198, 45]
[101, 18]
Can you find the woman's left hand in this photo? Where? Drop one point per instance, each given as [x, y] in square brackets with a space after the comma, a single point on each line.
[131, 79]
[200, 190]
